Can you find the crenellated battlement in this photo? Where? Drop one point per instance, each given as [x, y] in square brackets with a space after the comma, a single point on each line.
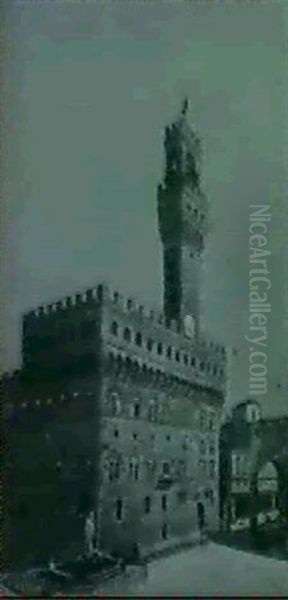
[125, 304]
[77, 299]
[137, 331]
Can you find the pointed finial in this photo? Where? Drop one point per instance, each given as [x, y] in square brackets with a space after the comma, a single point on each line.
[185, 106]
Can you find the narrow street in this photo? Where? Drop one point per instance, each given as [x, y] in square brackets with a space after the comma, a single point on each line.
[217, 571]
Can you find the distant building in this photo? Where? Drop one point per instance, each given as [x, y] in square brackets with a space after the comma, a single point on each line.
[117, 408]
[242, 463]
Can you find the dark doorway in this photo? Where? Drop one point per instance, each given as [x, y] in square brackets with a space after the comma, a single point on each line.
[200, 515]
[164, 531]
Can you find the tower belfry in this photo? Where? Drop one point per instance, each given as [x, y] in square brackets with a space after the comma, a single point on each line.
[182, 215]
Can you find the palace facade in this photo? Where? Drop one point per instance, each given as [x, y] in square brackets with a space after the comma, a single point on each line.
[117, 407]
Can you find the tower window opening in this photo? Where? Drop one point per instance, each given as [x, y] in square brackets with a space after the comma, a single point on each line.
[152, 411]
[136, 471]
[212, 449]
[119, 509]
[127, 334]
[159, 348]
[211, 422]
[138, 339]
[177, 356]
[185, 358]
[115, 405]
[166, 468]
[136, 410]
[111, 470]
[193, 361]
[164, 502]
[202, 420]
[169, 352]
[114, 328]
[149, 345]
[117, 469]
[147, 504]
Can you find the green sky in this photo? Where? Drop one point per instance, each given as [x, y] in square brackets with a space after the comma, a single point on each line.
[90, 88]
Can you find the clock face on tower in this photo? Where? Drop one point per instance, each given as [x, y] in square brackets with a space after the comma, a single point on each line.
[189, 326]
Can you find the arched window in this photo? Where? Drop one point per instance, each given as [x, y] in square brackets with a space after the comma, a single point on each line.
[111, 470]
[119, 509]
[127, 334]
[212, 448]
[114, 469]
[166, 468]
[138, 339]
[114, 328]
[202, 419]
[115, 405]
[134, 468]
[185, 359]
[177, 356]
[193, 361]
[117, 467]
[159, 348]
[211, 421]
[149, 344]
[169, 352]
[164, 502]
[136, 472]
[147, 504]
[152, 411]
[136, 410]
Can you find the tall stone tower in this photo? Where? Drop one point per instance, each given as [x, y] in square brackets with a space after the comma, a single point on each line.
[182, 215]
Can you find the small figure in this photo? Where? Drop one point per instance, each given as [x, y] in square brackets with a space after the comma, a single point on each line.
[89, 532]
[52, 566]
